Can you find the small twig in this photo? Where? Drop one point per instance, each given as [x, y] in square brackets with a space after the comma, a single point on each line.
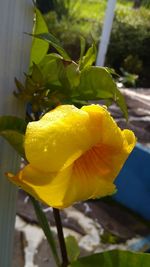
[65, 261]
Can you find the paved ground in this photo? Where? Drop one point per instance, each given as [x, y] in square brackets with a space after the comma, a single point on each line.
[138, 103]
[97, 226]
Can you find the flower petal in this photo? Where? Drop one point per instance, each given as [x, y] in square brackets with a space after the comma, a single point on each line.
[107, 128]
[80, 181]
[50, 188]
[59, 138]
[74, 155]
[90, 176]
[129, 140]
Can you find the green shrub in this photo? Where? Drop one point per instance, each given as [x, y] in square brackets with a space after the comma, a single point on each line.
[129, 46]
[84, 19]
[130, 41]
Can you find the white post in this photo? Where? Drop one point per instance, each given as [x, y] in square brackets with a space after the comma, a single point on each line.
[16, 17]
[106, 31]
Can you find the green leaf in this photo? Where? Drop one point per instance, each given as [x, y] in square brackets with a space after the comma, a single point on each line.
[73, 250]
[82, 46]
[12, 123]
[48, 58]
[46, 228]
[16, 140]
[37, 76]
[49, 69]
[121, 103]
[112, 71]
[89, 58]
[96, 83]
[13, 129]
[54, 72]
[57, 70]
[48, 37]
[62, 76]
[114, 258]
[30, 86]
[73, 74]
[39, 47]
[19, 85]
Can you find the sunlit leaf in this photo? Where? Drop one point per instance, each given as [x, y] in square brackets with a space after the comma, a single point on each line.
[49, 68]
[73, 74]
[114, 258]
[62, 76]
[112, 71]
[39, 47]
[89, 57]
[73, 249]
[48, 37]
[121, 103]
[57, 70]
[96, 83]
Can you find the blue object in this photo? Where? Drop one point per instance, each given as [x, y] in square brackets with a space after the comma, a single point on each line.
[133, 182]
[141, 245]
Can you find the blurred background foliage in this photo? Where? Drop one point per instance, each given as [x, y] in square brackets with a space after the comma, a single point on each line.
[129, 48]
[54, 78]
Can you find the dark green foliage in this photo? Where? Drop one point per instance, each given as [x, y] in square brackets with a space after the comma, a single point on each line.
[45, 5]
[13, 129]
[133, 64]
[130, 42]
[146, 3]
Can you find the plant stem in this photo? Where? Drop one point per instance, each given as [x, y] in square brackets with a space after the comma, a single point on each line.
[46, 229]
[65, 261]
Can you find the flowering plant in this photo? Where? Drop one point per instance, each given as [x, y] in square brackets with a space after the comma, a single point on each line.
[72, 153]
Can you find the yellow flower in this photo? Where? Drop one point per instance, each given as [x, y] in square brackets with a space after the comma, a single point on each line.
[73, 154]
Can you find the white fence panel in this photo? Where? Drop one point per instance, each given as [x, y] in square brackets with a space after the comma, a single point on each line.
[16, 17]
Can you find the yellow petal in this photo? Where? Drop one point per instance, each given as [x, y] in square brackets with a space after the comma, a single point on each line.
[80, 181]
[129, 140]
[107, 128]
[59, 138]
[74, 155]
[94, 172]
[90, 176]
[50, 188]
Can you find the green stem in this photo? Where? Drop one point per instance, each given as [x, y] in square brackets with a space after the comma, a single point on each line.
[46, 229]
[65, 261]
